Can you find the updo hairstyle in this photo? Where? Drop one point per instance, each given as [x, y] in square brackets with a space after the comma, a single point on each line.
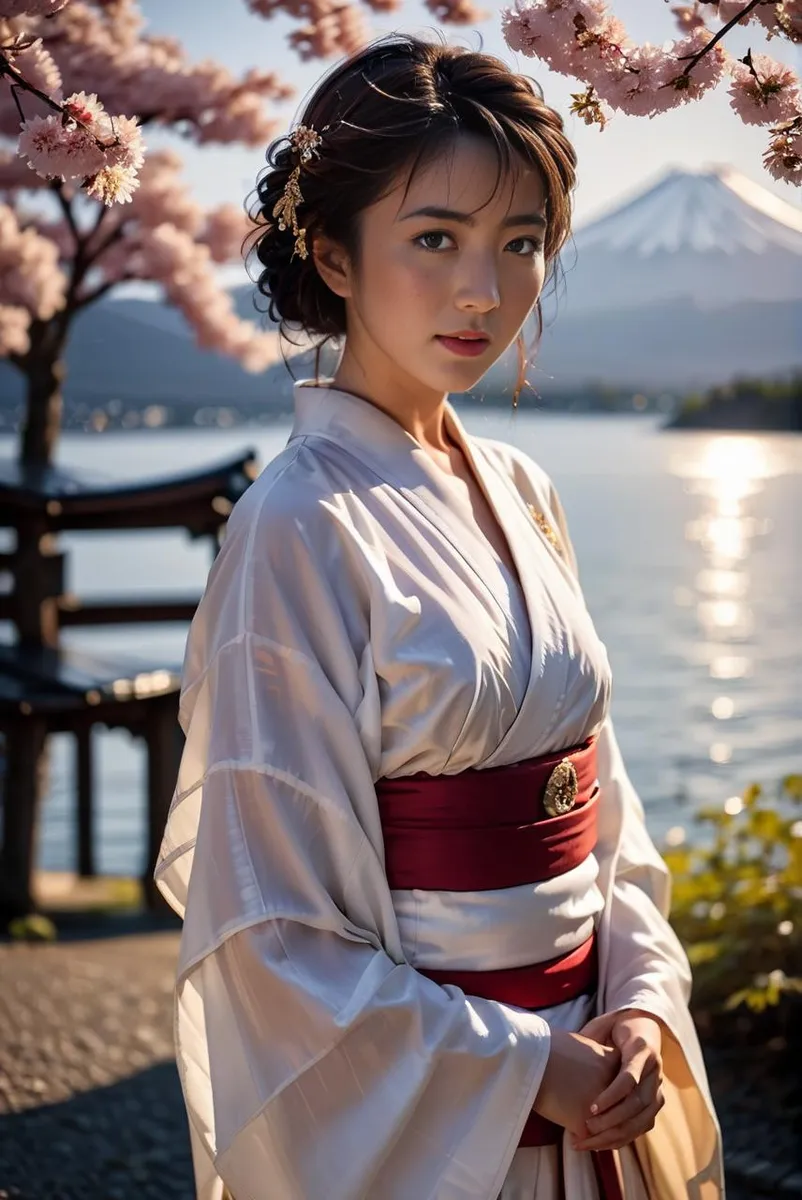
[391, 109]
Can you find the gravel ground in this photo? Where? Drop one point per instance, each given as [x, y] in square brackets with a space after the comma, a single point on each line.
[90, 1105]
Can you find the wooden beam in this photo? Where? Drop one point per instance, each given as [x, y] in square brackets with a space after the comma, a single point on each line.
[123, 612]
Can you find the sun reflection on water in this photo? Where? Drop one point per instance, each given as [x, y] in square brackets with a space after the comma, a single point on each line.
[726, 473]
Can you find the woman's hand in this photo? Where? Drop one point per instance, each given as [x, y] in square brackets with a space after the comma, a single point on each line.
[578, 1071]
[628, 1106]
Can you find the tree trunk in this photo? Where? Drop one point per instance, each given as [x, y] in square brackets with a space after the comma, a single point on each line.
[37, 568]
[44, 369]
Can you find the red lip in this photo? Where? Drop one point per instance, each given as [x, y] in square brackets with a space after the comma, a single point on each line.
[468, 342]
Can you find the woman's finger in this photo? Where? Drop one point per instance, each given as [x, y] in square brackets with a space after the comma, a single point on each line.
[642, 1097]
[632, 1071]
[600, 1029]
[623, 1135]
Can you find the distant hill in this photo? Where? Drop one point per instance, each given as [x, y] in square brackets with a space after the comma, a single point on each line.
[672, 345]
[139, 350]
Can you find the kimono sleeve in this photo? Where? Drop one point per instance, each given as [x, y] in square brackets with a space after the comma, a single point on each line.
[315, 1062]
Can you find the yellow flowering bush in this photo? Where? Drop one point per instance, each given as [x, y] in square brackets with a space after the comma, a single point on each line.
[737, 900]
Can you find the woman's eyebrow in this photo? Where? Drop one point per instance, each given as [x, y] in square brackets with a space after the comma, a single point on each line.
[451, 214]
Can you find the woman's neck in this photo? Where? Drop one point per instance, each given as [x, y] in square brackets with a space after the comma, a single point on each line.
[415, 407]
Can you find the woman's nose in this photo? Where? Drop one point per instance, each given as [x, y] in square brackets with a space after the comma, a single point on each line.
[477, 287]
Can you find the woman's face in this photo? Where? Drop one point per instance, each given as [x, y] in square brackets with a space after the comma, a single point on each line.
[443, 261]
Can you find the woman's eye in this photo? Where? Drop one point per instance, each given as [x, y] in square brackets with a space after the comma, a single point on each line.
[525, 246]
[433, 240]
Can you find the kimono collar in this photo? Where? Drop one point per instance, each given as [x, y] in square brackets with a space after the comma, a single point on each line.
[394, 455]
[325, 411]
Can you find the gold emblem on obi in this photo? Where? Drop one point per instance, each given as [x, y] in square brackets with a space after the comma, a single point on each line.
[540, 520]
[561, 789]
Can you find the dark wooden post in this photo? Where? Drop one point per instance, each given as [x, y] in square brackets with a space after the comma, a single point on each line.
[86, 846]
[24, 780]
[39, 581]
[38, 571]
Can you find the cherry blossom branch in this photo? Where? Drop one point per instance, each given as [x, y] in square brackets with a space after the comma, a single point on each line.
[102, 290]
[69, 216]
[718, 35]
[22, 84]
[7, 68]
[585, 40]
[79, 140]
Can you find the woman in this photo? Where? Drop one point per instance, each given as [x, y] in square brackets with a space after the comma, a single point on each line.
[425, 952]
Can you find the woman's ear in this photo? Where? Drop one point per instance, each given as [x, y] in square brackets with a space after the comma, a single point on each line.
[333, 265]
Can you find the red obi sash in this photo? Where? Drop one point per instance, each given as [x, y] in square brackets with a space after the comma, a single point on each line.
[482, 830]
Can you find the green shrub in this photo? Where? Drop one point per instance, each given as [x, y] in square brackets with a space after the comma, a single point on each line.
[737, 900]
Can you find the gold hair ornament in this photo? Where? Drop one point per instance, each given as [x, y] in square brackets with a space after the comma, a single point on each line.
[305, 141]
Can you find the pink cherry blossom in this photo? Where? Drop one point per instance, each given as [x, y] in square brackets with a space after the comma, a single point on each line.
[581, 38]
[641, 86]
[575, 37]
[728, 9]
[225, 231]
[14, 325]
[93, 145]
[163, 198]
[767, 95]
[87, 110]
[184, 268]
[37, 67]
[30, 8]
[704, 74]
[57, 232]
[456, 12]
[123, 145]
[57, 151]
[151, 76]
[113, 185]
[29, 272]
[16, 174]
[783, 159]
[688, 17]
[543, 29]
[788, 16]
[335, 30]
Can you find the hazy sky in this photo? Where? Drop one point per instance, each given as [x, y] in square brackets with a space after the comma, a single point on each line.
[628, 154]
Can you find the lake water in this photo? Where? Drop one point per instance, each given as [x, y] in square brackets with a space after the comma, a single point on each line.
[689, 547]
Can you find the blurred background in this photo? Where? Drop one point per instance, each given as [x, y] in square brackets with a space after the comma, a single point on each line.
[666, 404]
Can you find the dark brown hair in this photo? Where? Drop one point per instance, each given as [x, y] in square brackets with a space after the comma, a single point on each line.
[390, 109]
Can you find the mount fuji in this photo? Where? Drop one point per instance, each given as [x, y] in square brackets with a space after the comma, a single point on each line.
[712, 238]
[691, 282]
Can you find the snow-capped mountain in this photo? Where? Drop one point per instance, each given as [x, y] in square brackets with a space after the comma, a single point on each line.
[712, 237]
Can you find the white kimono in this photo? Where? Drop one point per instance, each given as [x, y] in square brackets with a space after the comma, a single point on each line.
[356, 625]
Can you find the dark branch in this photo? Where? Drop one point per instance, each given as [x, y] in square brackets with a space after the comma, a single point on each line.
[115, 236]
[101, 290]
[22, 84]
[695, 58]
[66, 208]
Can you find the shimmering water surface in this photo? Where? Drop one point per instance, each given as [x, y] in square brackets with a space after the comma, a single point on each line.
[689, 547]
